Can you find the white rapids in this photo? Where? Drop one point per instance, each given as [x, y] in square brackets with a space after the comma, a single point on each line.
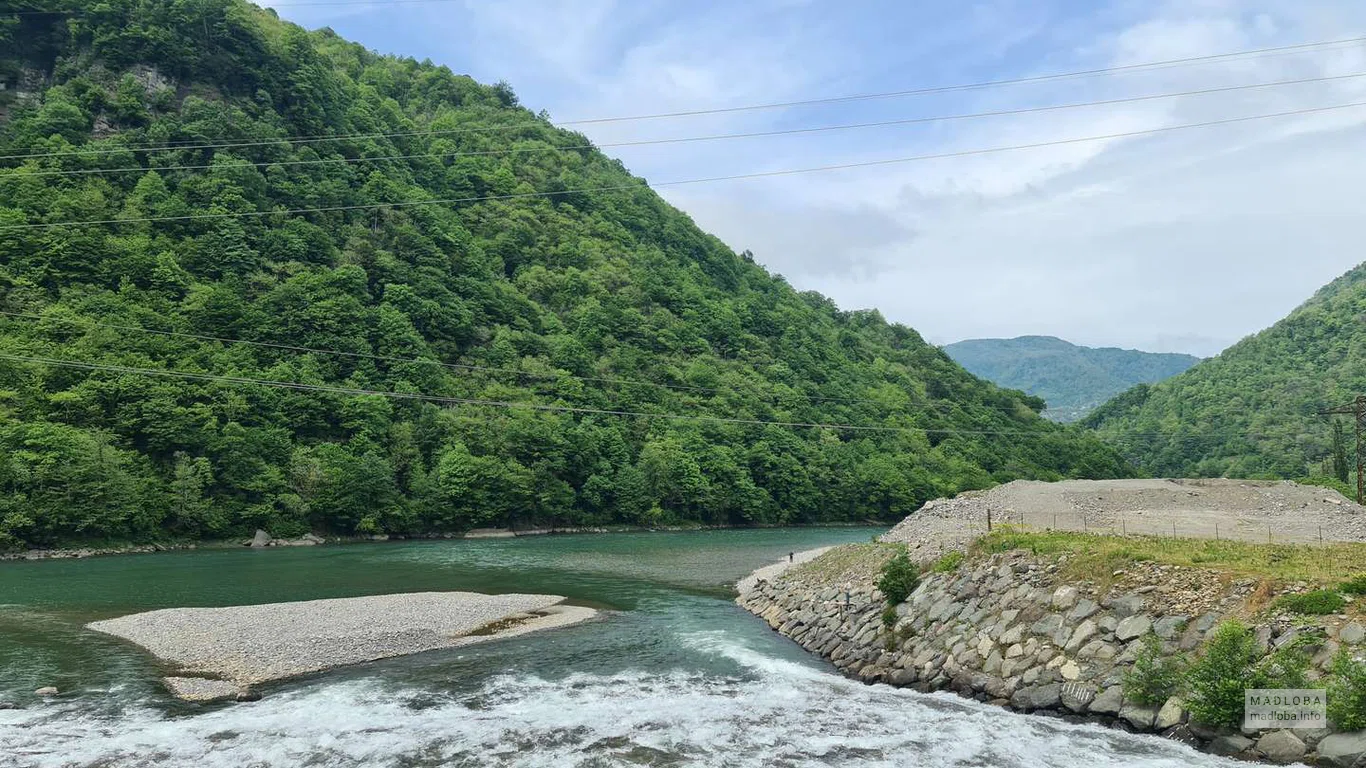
[778, 713]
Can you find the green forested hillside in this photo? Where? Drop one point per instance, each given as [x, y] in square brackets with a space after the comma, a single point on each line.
[1253, 410]
[1070, 378]
[448, 243]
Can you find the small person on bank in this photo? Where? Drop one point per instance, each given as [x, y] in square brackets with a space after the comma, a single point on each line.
[790, 555]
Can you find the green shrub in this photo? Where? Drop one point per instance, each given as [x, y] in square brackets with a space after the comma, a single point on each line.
[1217, 680]
[1355, 585]
[1233, 663]
[948, 563]
[1347, 692]
[899, 578]
[889, 616]
[1155, 676]
[1320, 602]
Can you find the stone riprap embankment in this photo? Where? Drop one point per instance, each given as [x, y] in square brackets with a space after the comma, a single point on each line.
[1011, 630]
[220, 652]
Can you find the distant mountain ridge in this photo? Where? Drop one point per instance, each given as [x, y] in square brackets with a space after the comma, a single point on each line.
[1253, 409]
[1071, 378]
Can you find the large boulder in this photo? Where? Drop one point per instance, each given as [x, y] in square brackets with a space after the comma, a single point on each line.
[1342, 749]
[1109, 701]
[261, 539]
[1281, 747]
[1132, 627]
[1171, 714]
[1230, 744]
[46, 690]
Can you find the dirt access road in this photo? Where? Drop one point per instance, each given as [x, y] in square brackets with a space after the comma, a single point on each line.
[1249, 510]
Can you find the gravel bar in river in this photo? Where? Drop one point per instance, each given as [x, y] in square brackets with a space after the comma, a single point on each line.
[252, 644]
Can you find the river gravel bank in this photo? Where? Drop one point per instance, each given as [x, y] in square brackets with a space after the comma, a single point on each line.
[252, 644]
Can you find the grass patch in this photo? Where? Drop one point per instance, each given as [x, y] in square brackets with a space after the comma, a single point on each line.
[1320, 602]
[1354, 586]
[1097, 555]
[948, 563]
[849, 562]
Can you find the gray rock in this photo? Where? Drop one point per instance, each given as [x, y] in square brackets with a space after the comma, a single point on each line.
[1182, 734]
[1128, 605]
[1312, 736]
[1229, 744]
[1281, 747]
[1047, 625]
[1076, 696]
[1168, 627]
[1342, 749]
[1171, 714]
[1109, 701]
[8, 705]
[1207, 732]
[1045, 696]
[1070, 671]
[1263, 634]
[1352, 633]
[313, 537]
[1141, 718]
[1084, 609]
[261, 539]
[1132, 627]
[1064, 598]
[1084, 631]
[46, 690]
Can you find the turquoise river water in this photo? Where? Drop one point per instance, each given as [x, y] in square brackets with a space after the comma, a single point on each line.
[671, 674]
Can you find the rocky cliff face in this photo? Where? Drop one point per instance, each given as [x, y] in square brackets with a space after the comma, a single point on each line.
[1011, 630]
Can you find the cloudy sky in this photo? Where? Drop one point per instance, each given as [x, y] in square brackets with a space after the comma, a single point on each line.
[1184, 240]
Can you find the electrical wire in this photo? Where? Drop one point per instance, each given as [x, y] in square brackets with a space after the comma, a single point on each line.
[1168, 63]
[641, 185]
[695, 139]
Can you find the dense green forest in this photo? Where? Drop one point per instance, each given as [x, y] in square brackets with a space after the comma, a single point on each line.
[465, 249]
[1072, 379]
[1254, 409]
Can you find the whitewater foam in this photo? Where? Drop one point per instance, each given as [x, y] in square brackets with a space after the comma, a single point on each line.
[777, 712]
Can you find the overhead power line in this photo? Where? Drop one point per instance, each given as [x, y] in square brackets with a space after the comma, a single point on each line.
[715, 137]
[638, 185]
[406, 361]
[352, 391]
[1168, 63]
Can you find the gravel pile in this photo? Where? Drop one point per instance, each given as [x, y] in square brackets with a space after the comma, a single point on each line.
[1281, 512]
[251, 644]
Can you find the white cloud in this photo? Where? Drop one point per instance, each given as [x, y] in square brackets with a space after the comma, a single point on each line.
[1192, 238]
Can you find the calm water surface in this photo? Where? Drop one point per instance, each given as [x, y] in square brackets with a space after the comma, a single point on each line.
[672, 674]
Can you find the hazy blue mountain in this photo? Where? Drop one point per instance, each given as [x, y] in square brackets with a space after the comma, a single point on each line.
[1072, 379]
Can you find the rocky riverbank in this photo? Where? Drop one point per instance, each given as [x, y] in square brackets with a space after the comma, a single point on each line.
[1010, 629]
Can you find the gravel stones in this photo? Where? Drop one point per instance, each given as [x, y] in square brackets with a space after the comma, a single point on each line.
[201, 689]
[257, 643]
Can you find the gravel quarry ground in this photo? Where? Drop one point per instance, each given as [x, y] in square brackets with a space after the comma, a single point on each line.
[1248, 510]
[250, 644]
